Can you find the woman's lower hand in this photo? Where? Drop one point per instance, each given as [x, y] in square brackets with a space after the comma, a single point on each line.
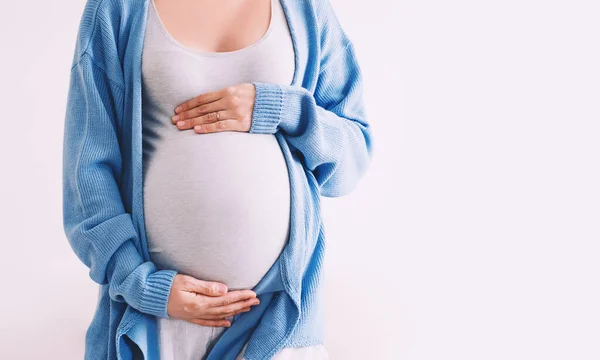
[207, 303]
[229, 109]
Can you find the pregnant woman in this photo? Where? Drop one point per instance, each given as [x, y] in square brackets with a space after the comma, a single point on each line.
[199, 135]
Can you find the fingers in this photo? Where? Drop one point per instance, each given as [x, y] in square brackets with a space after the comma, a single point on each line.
[215, 323]
[220, 104]
[211, 117]
[210, 288]
[223, 125]
[230, 298]
[229, 109]
[231, 308]
[199, 100]
[223, 315]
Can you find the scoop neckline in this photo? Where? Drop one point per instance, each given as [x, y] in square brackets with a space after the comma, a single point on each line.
[172, 39]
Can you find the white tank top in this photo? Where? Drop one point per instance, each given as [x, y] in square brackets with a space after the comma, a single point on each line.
[217, 205]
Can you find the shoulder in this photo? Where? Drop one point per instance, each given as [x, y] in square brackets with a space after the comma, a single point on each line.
[327, 19]
[102, 25]
[333, 40]
[317, 16]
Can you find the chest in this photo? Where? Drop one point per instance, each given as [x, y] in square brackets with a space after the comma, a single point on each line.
[215, 25]
[173, 72]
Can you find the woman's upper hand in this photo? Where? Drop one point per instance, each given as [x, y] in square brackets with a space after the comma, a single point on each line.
[228, 109]
[207, 303]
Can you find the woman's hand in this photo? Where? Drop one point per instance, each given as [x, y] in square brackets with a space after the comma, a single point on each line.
[207, 303]
[229, 109]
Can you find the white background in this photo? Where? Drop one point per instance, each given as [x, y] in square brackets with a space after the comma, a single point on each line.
[475, 234]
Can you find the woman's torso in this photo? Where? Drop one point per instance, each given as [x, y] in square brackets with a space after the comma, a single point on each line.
[216, 205]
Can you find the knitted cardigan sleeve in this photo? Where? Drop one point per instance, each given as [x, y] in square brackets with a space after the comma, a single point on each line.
[327, 126]
[98, 228]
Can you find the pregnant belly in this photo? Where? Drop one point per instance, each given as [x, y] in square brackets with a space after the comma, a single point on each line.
[217, 206]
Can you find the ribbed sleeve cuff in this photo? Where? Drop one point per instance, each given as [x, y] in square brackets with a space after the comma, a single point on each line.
[268, 105]
[295, 100]
[155, 296]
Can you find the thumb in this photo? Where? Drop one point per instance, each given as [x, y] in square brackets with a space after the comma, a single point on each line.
[210, 288]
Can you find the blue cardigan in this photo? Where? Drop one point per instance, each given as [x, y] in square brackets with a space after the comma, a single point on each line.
[319, 122]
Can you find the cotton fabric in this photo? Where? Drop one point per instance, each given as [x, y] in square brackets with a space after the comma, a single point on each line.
[217, 205]
[195, 186]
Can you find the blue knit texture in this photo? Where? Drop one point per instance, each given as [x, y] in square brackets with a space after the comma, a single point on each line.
[318, 120]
